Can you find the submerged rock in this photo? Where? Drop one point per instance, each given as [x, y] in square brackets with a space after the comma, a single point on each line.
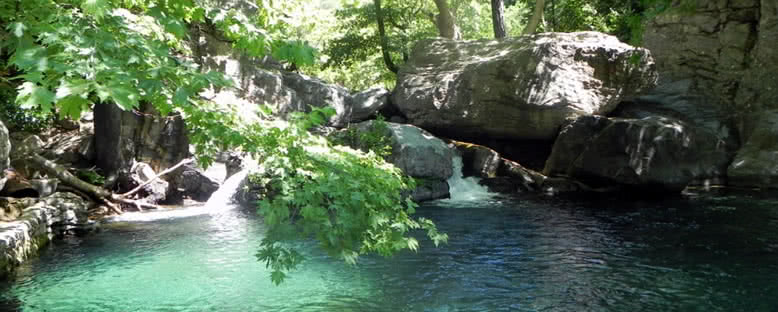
[518, 88]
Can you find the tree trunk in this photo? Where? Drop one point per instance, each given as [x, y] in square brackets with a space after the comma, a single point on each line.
[537, 15]
[498, 18]
[142, 135]
[446, 22]
[384, 40]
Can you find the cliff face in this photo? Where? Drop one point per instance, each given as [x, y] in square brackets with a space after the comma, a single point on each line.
[725, 50]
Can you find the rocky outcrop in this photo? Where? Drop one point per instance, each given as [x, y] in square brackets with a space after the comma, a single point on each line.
[518, 88]
[756, 164]
[725, 51]
[653, 152]
[283, 91]
[48, 217]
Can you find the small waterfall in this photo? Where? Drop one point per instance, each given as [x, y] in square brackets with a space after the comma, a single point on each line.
[220, 201]
[465, 189]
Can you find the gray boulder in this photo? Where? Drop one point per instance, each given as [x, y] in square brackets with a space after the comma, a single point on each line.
[24, 144]
[756, 164]
[417, 152]
[189, 181]
[655, 152]
[518, 88]
[156, 191]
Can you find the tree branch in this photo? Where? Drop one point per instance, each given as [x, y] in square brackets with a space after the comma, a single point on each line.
[166, 171]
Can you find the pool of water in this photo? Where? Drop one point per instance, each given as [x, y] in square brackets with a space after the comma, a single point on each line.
[693, 253]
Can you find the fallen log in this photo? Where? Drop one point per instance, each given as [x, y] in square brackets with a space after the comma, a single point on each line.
[98, 193]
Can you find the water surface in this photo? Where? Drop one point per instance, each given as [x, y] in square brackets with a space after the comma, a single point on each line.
[533, 253]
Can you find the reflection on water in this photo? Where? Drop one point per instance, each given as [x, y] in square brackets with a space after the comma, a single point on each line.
[523, 254]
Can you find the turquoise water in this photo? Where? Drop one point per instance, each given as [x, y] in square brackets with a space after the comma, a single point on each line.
[711, 253]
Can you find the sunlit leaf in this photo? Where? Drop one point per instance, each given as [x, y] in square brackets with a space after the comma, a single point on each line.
[96, 8]
[73, 106]
[32, 96]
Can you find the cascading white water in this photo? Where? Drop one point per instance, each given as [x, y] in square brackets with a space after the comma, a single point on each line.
[220, 201]
[465, 189]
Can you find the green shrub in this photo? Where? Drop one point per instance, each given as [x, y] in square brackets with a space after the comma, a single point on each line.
[376, 139]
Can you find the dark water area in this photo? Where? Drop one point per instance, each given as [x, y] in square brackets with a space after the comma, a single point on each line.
[533, 253]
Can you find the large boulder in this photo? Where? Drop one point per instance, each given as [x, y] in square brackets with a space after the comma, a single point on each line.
[518, 88]
[141, 135]
[654, 152]
[419, 154]
[756, 164]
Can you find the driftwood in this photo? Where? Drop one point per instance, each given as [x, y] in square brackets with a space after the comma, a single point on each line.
[100, 194]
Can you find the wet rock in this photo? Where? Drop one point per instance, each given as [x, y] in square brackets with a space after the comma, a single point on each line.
[52, 216]
[430, 190]
[191, 182]
[518, 88]
[478, 160]
[659, 153]
[417, 152]
[524, 178]
[756, 164]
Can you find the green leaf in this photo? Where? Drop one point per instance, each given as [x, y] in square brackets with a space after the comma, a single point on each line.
[72, 106]
[96, 8]
[277, 277]
[32, 96]
[76, 87]
[123, 96]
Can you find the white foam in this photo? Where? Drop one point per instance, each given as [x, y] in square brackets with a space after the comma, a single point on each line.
[220, 201]
[466, 189]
